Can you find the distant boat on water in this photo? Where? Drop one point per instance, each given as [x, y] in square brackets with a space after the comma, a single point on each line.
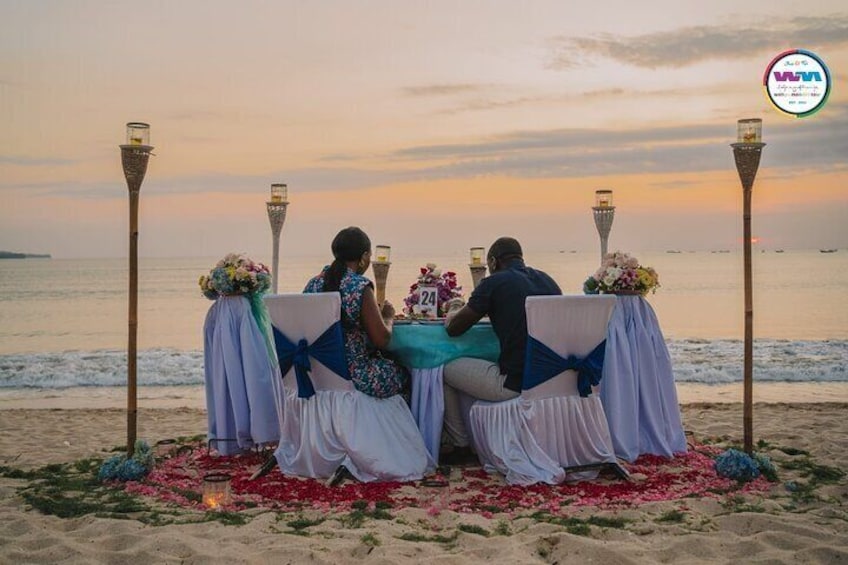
[673, 251]
[828, 250]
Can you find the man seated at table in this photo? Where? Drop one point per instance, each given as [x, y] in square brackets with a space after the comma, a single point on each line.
[500, 296]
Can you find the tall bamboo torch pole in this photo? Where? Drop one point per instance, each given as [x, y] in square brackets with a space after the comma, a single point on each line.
[747, 155]
[134, 157]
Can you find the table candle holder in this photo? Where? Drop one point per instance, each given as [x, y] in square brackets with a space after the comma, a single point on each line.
[380, 265]
[216, 490]
[477, 265]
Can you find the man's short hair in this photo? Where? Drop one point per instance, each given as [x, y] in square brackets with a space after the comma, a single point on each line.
[505, 247]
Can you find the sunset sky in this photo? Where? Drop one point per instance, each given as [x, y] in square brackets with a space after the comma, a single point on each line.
[432, 125]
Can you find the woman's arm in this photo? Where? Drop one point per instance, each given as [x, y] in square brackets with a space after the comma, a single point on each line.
[377, 325]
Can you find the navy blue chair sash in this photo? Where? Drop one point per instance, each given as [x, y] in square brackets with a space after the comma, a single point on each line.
[328, 349]
[542, 364]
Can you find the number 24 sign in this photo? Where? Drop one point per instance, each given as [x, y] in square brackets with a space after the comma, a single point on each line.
[428, 301]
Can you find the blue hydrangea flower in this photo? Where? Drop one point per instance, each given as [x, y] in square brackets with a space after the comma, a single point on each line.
[221, 281]
[736, 465]
[135, 468]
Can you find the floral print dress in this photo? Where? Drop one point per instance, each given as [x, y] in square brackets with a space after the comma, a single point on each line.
[371, 373]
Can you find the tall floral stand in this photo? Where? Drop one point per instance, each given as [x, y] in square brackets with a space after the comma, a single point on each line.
[241, 399]
[637, 387]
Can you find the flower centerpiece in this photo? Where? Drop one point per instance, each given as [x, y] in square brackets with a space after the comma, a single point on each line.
[235, 275]
[446, 287]
[622, 274]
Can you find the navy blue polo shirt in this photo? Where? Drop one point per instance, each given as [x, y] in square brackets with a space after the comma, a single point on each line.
[501, 297]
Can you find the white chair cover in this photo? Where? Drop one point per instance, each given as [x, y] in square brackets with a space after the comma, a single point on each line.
[376, 439]
[531, 438]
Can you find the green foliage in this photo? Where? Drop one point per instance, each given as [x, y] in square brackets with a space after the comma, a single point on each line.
[802, 492]
[72, 490]
[227, 518]
[794, 451]
[472, 529]
[737, 503]
[503, 528]
[12, 473]
[816, 472]
[303, 523]
[353, 520]
[370, 540]
[607, 522]
[580, 527]
[672, 517]
[360, 513]
[438, 538]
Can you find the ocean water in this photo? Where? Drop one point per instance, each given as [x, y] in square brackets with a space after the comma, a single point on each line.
[63, 323]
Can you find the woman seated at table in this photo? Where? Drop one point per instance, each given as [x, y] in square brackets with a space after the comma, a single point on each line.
[367, 328]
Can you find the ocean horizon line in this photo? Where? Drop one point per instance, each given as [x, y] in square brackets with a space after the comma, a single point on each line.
[443, 252]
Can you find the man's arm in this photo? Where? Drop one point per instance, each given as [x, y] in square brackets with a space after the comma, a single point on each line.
[459, 319]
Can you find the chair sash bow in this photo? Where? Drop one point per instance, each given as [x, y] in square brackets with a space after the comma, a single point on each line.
[542, 364]
[328, 349]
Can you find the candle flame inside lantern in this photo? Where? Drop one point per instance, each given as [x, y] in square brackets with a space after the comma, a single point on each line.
[279, 193]
[603, 198]
[138, 133]
[382, 254]
[749, 130]
[477, 255]
[216, 490]
[212, 501]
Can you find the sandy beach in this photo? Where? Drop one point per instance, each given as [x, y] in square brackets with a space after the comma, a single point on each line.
[770, 527]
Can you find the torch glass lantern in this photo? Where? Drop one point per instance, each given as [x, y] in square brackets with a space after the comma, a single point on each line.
[603, 198]
[216, 490]
[279, 193]
[383, 254]
[749, 131]
[138, 133]
[477, 255]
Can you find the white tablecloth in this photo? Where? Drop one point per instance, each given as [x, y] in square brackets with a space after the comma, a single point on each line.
[637, 388]
[240, 399]
[428, 406]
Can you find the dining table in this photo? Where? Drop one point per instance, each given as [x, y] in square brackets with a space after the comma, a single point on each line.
[637, 387]
[424, 347]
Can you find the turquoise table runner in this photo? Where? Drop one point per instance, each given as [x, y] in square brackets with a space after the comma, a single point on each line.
[427, 345]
